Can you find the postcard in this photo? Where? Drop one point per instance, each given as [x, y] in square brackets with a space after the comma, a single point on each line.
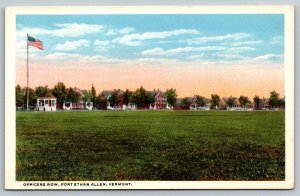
[149, 97]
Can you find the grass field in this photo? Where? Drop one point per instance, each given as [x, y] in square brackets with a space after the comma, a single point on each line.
[150, 145]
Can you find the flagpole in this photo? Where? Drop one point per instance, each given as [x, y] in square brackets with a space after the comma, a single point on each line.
[27, 77]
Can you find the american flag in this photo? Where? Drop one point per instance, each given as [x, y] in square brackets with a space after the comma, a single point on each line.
[35, 43]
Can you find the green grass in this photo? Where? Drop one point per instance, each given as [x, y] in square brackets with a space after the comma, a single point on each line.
[150, 145]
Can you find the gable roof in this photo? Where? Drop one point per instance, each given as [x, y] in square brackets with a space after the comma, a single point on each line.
[159, 93]
[79, 92]
[108, 93]
[156, 93]
[47, 95]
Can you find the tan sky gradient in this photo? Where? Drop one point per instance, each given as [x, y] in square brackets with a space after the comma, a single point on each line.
[188, 78]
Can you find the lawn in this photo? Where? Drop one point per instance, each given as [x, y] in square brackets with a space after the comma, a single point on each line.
[150, 145]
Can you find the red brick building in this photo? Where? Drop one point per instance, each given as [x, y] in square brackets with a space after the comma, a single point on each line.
[106, 95]
[120, 95]
[80, 103]
[160, 100]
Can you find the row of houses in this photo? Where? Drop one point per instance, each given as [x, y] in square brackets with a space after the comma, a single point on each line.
[264, 105]
[160, 101]
[49, 103]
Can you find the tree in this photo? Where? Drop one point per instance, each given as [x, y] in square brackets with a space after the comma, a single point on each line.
[150, 98]
[113, 99]
[215, 100]
[93, 94]
[19, 96]
[127, 97]
[257, 102]
[60, 92]
[100, 103]
[171, 96]
[40, 91]
[201, 101]
[281, 103]
[244, 100]
[87, 96]
[274, 99]
[186, 102]
[231, 101]
[32, 97]
[72, 96]
[141, 98]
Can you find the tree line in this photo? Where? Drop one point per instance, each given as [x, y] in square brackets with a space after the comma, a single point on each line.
[273, 101]
[140, 97]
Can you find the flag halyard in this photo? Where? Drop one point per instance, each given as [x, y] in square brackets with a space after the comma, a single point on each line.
[35, 43]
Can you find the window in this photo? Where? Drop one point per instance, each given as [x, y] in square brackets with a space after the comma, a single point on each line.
[46, 102]
[41, 102]
[53, 102]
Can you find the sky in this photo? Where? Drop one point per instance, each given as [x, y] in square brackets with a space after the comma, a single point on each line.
[230, 54]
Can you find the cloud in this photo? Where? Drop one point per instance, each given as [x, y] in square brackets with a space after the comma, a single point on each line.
[249, 43]
[240, 49]
[269, 57]
[154, 51]
[72, 45]
[111, 32]
[126, 30]
[136, 38]
[62, 30]
[62, 56]
[21, 50]
[175, 51]
[23, 31]
[277, 40]
[231, 56]
[195, 57]
[76, 29]
[164, 41]
[236, 36]
[102, 45]
[69, 58]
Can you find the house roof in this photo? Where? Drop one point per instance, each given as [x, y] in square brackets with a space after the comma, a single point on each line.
[159, 93]
[194, 99]
[79, 92]
[85, 92]
[47, 95]
[119, 91]
[156, 93]
[107, 93]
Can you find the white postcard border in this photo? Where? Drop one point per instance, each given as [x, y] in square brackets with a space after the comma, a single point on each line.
[10, 113]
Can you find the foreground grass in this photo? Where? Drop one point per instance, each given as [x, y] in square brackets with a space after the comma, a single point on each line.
[150, 145]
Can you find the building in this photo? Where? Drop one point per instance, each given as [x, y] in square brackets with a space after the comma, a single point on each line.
[82, 103]
[196, 106]
[120, 95]
[106, 96]
[235, 105]
[46, 103]
[160, 100]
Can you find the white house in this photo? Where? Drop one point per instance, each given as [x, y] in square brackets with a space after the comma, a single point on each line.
[67, 106]
[46, 103]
